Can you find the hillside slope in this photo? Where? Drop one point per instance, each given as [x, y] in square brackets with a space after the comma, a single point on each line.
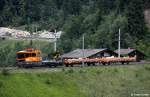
[97, 20]
[118, 81]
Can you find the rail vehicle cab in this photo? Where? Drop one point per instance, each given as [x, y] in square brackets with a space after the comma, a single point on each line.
[29, 57]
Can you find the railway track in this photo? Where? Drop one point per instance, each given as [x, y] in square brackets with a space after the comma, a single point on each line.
[59, 68]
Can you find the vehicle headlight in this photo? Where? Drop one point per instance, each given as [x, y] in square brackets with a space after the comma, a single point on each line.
[27, 60]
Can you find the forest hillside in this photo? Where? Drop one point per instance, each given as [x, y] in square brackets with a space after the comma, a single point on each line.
[98, 20]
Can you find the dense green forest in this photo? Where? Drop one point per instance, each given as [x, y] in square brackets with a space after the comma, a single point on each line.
[97, 20]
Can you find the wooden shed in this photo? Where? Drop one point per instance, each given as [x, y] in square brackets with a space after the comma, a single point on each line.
[131, 53]
[89, 53]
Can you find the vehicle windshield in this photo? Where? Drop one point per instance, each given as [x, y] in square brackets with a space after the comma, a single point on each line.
[26, 55]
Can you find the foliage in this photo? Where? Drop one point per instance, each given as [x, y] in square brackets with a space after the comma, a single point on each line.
[114, 81]
[5, 72]
[98, 20]
[135, 18]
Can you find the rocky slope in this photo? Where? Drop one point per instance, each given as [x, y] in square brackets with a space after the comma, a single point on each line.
[9, 33]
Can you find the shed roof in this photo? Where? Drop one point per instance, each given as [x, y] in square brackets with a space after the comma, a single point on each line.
[78, 53]
[125, 51]
[128, 51]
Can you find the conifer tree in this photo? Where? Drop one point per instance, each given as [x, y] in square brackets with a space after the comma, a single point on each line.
[135, 17]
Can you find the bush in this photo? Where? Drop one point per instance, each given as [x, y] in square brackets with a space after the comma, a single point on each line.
[116, 70]
[5, 72]
[39, 75]
[98, 72]
[147, 68]
[136, 75]
[70, 71]
[48, 82]
[63, 69]
[81, 71]
[122, 85]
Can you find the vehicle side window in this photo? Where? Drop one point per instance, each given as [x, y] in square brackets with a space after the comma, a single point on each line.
[27, 55]
[20, 55]
[33, 54]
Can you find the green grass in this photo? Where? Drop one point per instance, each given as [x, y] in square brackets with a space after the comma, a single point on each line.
[117, 81]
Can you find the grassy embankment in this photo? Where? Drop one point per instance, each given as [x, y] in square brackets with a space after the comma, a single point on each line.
[117, 81]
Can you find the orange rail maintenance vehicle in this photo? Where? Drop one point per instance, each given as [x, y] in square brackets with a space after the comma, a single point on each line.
[32, 58]
[29, 57]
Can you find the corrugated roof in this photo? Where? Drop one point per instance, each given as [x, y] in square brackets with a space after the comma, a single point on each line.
[78, 53]
[125, 51]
